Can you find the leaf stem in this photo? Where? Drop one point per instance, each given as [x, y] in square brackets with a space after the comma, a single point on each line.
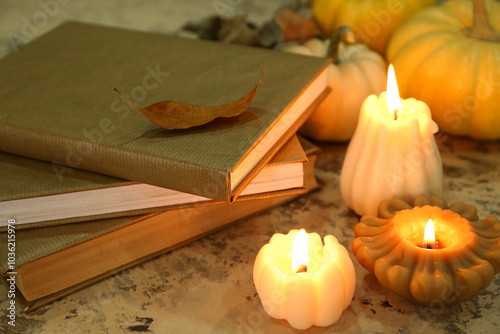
[126, 99]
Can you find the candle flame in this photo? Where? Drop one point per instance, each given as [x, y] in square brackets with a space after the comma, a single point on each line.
[393, 101]
[429, 234]
[299, 250]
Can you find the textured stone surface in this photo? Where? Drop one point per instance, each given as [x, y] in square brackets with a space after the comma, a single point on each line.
[206, 286]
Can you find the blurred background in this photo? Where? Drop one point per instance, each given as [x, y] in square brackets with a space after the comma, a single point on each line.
[22, 21]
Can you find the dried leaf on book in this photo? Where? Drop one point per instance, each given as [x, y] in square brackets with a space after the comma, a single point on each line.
[179, 115]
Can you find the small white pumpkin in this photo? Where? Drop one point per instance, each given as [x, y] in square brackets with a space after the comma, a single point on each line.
[356, 72]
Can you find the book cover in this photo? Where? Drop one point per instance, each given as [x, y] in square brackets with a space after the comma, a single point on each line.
[58, 105]
[54, 261]
[34, 195]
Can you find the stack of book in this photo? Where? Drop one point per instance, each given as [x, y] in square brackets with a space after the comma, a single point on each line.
[94, 187]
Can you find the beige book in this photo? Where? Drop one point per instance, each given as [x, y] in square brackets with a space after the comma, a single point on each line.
[58, 106]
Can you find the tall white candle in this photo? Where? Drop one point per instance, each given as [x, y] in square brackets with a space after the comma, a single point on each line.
[393, 153]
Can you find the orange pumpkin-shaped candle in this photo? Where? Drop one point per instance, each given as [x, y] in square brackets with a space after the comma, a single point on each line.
[462, 262]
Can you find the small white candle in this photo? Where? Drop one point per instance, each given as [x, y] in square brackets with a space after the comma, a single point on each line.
[303, 281]
[393, 153]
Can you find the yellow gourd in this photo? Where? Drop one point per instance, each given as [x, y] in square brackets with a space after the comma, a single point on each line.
[449, 57]
[356, 72]
[373, 21]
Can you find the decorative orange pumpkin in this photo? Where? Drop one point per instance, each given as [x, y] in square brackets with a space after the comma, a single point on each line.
[356, 72]
[373, 21]
[449, 57]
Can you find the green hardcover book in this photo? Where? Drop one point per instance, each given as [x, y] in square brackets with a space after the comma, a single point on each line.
[54, 261]
[34, 195]
[57, 105]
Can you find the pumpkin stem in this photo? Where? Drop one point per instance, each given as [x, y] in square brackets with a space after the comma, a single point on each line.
[343, 34]
[481, 28]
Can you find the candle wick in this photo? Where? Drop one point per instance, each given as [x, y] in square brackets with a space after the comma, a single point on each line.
[302, 269]
[429, 246]
[396, 114]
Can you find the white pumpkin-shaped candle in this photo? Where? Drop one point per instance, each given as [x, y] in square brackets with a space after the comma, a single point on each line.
[393, 153]
[302, 281]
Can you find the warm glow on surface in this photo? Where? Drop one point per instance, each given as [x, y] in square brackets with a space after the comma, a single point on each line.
[429, 234]
[299, 250]
[393, 101]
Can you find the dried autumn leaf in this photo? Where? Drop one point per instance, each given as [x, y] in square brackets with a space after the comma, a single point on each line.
[179, 115]
[287, 25]
[295, 27]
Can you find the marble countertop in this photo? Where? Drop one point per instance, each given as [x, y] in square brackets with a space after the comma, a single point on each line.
[206, 286]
